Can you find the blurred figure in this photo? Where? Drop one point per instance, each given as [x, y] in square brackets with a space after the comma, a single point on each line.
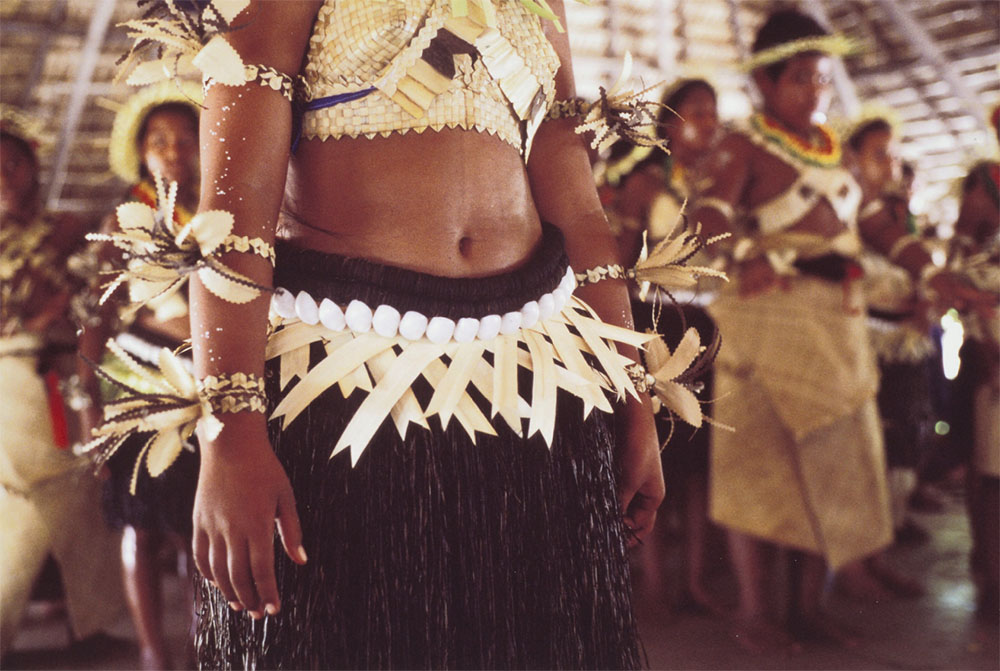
[804, 471]
[899, 333]
[650, 190]
[49, 500]
[976, 254]
[155, 132]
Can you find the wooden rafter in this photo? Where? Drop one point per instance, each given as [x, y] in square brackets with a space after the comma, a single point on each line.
[91, 51]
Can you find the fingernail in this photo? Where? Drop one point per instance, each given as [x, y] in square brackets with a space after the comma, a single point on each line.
[236, 605]
[256, 614]
[271, 609]
[302, 554]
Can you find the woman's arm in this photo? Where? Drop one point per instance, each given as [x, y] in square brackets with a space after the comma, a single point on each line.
[885, 231]
[245, 137]
[564, 192]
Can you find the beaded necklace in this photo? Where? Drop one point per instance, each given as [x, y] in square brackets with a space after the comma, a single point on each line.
[825, 153]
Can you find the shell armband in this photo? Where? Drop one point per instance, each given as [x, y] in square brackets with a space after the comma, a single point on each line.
[291, 88]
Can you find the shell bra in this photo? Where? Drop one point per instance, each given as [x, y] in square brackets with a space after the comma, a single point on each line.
[376, 67]
[814, 183]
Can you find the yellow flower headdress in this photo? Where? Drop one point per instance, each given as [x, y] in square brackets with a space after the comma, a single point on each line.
[845, 128]
[123, 150]
[834, 45]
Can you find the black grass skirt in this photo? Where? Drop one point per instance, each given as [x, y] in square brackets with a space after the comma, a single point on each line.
[433, 552]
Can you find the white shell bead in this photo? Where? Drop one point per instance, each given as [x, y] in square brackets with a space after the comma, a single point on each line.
[529, 314]
[413, 325]
[561, 297]
[546, 307]
[440, 330]
[358, 316]
[306, 308]
[568, 281]
[331, 315]
[510, 323]
[489, 327]
[284, 303]
[385, 321]
[466, 329]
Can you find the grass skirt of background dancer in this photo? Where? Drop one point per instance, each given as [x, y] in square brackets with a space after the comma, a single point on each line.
[434, 552]
[805, 467]
[163, 503]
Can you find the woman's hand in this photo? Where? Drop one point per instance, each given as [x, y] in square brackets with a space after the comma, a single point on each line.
[242, 491]
[953, 291]
[640, 484]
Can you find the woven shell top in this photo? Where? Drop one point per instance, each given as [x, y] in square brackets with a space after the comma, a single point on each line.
[429, 68]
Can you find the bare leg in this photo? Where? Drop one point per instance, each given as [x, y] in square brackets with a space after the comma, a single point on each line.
[754, 630]
[856, 581]
[806, 616]
[141, 574]
[696, 528]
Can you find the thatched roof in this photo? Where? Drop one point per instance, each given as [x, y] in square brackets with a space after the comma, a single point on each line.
[935, 63]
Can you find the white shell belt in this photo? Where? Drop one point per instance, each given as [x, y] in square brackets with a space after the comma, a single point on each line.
[387, 321]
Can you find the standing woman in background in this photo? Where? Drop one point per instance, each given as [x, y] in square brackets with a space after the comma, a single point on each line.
[415, 283]
[155, 132]
[49, 503]
[804, 470]
[651, 188]
[976, 253]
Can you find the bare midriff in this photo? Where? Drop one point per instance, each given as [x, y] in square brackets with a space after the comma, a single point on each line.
[453, 203]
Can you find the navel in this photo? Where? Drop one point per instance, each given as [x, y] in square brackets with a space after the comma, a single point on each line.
[464, 245]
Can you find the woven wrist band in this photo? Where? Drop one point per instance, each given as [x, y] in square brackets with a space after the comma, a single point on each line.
[641, 378]
[242, 243]
[612, 271]
[234, 392]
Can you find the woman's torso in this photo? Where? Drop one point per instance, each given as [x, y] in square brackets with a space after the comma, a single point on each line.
[438, 185]
[771, 178]
[789, 175]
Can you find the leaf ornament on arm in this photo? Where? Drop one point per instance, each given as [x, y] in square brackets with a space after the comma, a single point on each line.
[618, 114]
[169, 406]
[160, 254]
[666, 265]
[174, 37]
[672, 377]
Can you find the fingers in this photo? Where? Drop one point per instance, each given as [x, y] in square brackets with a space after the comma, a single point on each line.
[219, 563]
[199, 550]
[262, 566]
[289, 526]
[242, 581]
[640, 519]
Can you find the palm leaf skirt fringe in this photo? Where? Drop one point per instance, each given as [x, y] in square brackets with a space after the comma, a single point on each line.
[434, 552]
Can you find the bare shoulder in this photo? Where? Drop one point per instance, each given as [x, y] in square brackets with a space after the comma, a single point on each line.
[274, 33]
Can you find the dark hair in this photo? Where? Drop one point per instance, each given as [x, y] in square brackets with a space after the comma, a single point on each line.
[23, 145]
[783, 26]
[685, 88]
[25, 148]
[673, 98]
[179, 107]
[878, 125]
[140, 136]
[677, 94]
